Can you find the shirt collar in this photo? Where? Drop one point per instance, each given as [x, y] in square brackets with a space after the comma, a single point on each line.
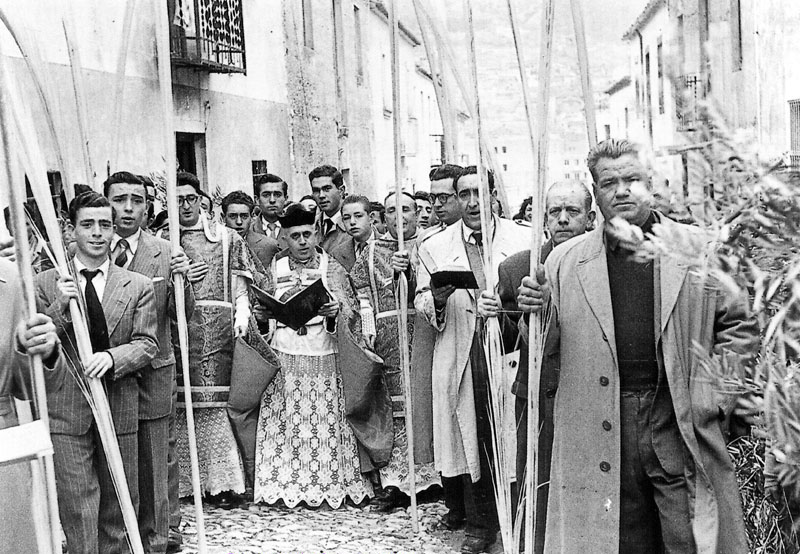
[265, 224]
[466, 232]
[80, 266]
[133, 241]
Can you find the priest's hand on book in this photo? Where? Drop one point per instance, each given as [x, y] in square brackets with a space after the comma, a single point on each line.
[329, 309]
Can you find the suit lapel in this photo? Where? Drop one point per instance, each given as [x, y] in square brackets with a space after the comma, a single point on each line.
[671, 275]
[146, 259]
[592, 271]
[115, 296]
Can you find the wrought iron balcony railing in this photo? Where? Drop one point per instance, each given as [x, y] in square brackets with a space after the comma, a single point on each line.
[207, 34]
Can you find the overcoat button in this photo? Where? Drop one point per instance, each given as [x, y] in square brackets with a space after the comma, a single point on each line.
[605, 466]
[607, 425]
[550, 393]
[604, 381]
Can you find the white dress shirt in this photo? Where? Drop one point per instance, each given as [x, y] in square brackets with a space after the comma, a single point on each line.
[99, 280]
[267, 231]
[133, 244]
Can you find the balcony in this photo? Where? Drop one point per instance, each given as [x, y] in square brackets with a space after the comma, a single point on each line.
[693, 92]
[207, 35]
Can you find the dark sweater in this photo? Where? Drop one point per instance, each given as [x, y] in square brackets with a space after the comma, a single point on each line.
[632, 301]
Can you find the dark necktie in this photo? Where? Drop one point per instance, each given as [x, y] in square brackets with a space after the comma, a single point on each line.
[98, 330]
[478, 237]
[122, 256]
[327, 227]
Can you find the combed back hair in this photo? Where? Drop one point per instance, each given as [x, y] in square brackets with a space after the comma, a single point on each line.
[269, 178]
[327, 171]
[445, 171]
[186, 178]
[89, 199]
[473, 170]
[123, 177]
[377, 207]
[356, 199]
[422, 195]
[237, 197]
[610, 149]
[587, 198]
[404, 193]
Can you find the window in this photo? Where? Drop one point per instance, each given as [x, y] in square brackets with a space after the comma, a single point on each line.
[660, 70]
[504, 149]
[648, 99]
[736, 34]
[566, 162]
[359, 46]
[794, 133]
[259, 169]
[190, 149]
[577, 162]
[566, 175]
[607, 129]
[207, 34]
[505, 167]
[495, 149]
[308, 25]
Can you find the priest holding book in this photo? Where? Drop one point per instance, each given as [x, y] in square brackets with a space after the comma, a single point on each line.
[306, 452]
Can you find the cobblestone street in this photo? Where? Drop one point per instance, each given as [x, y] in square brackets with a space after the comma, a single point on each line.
[267, 530]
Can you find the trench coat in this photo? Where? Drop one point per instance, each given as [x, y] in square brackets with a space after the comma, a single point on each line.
[455, 436]
[583, 510]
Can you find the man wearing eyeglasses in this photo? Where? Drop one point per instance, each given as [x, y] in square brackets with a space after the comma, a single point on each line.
[223, 270]
[462, 434]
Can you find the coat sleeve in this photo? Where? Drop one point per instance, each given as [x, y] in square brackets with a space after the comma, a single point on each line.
[423, 297]
[143, 346]
[48, 303]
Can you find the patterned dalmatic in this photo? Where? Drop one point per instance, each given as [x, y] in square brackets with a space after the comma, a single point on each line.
[373, 278]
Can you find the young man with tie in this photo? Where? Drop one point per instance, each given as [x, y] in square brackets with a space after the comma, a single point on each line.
[271, 193]
[328, 190]
[137, 251]
[121, 315]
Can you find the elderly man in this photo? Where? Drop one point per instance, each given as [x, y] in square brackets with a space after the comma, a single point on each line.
[568, 208]
[462, 428]
[639, 456]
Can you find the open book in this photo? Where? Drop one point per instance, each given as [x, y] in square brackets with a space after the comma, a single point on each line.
[298, 309]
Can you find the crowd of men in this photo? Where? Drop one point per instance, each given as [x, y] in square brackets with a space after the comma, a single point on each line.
[631, 451]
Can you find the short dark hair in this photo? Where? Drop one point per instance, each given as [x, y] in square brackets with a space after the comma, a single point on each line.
[422, 195]
[237, 197]
[269, 178]
[445, 171]
[205, 195]
[89, 199]
[327, 171]
[356, 199]
[610, 149]
[380, 208]
[123, 177]
[524, 206]
[186, 178]
[473, 170]
[159, 221]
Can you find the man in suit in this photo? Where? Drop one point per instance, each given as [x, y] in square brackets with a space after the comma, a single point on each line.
[122, 320]
[271, 194]
[237, 213]
[568, 211]
[355, 218]
[448, 212]
[35, 335]
[462, 427]
[639, 461]
[138, 251]
[328, 190]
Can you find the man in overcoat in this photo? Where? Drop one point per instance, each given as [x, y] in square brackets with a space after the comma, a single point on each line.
[639, 459]
[459, 380]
